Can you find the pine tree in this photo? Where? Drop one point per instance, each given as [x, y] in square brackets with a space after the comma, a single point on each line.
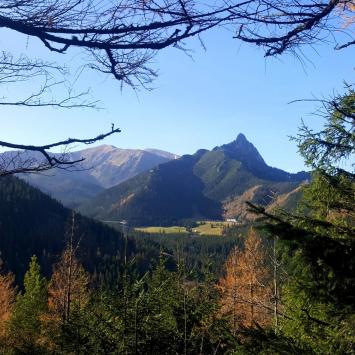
[25, 322]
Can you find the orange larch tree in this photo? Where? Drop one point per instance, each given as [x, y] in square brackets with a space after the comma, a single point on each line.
[68, 287]
[246, 288]
[7, 299]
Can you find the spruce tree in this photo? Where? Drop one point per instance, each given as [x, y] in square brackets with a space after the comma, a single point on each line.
[318, 241]
[25, 323]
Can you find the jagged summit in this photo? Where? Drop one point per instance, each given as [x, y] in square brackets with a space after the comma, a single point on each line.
[241, 142]
[244, 151]
[241, 149]
[241, 138]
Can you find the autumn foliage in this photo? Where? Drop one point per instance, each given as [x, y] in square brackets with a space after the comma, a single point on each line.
[68, 286]
[245, 288]
[7, 299]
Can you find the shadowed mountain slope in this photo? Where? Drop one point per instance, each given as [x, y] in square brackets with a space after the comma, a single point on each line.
[198, 186]
[32, 223]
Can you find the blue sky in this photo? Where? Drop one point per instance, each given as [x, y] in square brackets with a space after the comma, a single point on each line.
[196, 103]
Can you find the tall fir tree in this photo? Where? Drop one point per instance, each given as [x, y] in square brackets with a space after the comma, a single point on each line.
[25, 322]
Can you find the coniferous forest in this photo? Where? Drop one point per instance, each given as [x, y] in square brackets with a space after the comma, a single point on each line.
[285, 286]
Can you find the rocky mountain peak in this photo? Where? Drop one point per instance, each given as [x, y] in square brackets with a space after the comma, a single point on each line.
[241, 149]
[241, 139]
[245, 152]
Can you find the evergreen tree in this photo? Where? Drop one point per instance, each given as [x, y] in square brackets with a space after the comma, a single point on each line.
[25, 322]
[319, 240]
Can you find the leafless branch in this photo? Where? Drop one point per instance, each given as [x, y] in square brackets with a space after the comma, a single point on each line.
[122, 37]
[50, 78]
[36, 159]
[280, 26]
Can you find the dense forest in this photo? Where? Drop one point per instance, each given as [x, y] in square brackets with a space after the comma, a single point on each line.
[287, 286]
[32, 223]
[35, 224]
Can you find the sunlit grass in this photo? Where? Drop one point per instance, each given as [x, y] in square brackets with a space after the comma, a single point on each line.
[203, 228]
[211, 227]
[163, 230]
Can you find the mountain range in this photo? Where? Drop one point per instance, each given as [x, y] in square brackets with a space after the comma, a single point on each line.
[210, 184]
[153, 187]
[104, 166]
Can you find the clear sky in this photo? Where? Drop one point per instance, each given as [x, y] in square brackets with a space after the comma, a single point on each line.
[196, 103]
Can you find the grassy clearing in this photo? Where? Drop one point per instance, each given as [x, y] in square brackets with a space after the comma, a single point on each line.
[204, 228]
[163, 230]
[211, 227]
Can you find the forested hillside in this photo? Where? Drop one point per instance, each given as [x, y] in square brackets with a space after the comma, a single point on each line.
[32, 223]
[198, 186]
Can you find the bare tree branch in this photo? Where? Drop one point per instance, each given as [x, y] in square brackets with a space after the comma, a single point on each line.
[122, 37]
[280, 26]
[36, 159]
[50, 78]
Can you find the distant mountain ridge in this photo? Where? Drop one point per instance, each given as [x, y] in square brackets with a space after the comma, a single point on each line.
[104, 166]
[112, 165]
[198, 186]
